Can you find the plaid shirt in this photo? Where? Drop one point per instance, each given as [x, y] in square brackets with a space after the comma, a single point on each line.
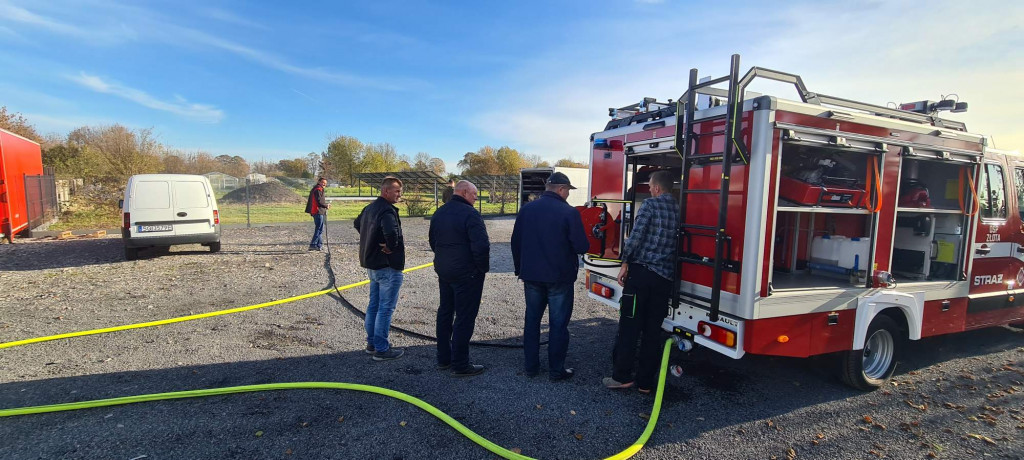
[652, 241]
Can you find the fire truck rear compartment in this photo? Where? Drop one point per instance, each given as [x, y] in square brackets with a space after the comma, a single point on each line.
[827, 221]
[823, 225]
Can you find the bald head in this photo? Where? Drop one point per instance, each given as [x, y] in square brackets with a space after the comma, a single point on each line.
[466, 190]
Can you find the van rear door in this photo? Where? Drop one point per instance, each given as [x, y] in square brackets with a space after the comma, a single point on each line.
[193, 207]
[150, 207]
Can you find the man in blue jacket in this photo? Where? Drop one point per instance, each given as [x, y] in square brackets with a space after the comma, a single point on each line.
[462, 254]
[547, 238]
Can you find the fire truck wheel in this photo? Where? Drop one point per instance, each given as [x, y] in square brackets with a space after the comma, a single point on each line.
[131, 253]
[871, 367]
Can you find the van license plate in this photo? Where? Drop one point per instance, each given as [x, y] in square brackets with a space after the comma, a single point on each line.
[154, 228]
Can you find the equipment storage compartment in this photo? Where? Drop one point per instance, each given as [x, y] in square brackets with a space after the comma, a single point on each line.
[824, 219]
[928, 240]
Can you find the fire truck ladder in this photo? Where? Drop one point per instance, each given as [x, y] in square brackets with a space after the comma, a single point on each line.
[734, 147]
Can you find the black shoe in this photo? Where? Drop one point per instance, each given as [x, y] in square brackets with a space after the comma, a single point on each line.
[532, 374]
[392, 353]
[471, 370]
[566, 374]
[443, 367]
[369, 349]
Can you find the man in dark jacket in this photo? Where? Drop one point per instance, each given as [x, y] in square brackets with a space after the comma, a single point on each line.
[382, 254]
[458, 238]
[317, 207]
[547, 237]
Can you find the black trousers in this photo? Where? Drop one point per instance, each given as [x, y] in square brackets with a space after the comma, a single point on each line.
[456, 317]
[651, 293]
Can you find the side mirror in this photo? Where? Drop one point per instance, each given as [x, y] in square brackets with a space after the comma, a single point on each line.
[120, 203]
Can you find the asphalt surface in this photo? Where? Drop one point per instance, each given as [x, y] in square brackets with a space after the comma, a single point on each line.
[957, 396]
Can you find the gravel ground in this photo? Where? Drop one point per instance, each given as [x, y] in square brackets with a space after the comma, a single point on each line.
[953, 397]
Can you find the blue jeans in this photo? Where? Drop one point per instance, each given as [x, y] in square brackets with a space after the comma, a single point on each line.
[559, 297]
[384, 286]
[318, 231]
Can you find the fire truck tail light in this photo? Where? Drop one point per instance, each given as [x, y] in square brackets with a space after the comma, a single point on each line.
[783, 339]
[610, 144]
[717, 333]
[601, 290]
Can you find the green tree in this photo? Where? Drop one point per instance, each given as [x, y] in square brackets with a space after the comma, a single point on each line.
[481, 162]
[294, 167]
[123, 152]
[233, 165]
[383, 158]
[343, 158]
[510, 161]
[569, 163]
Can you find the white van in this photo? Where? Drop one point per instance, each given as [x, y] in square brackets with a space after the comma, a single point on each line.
[168, 209]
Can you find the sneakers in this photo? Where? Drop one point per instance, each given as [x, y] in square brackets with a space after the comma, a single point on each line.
[613, 384]
[471, 370]
[370, 350]
[315, 249]
[443, 367]
[392, 353]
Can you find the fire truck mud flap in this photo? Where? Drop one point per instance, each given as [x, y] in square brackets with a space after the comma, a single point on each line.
[910, 304]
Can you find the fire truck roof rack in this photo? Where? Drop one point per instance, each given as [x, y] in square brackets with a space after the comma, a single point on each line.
[810, 97]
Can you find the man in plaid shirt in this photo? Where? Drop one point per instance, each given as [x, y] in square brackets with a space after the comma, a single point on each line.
[646, 277]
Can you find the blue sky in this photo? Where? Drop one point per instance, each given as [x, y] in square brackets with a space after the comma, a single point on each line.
[274, 80]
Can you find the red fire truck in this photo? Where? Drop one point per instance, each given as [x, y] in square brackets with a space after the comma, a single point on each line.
[816, 224]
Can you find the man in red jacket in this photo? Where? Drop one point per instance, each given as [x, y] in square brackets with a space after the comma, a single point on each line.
[317, 207]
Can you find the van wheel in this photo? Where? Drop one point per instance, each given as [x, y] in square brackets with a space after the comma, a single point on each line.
[215, 247]
[131, 253]
[871, 367]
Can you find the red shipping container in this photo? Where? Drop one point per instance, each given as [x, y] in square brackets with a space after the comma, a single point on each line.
[18, 157]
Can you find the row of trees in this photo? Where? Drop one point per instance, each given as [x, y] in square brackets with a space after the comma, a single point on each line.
[110, 154]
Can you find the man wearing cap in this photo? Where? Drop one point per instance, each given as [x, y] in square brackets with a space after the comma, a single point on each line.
[547, 238]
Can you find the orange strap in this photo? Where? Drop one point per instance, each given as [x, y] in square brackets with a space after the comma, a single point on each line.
[974, 193]
[872, 168]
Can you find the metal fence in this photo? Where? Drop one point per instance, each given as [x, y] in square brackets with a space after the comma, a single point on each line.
[41, 202]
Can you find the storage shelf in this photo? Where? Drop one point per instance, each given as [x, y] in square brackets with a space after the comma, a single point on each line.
[930, 210]
[822, 210]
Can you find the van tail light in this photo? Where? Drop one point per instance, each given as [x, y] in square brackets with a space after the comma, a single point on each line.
[717, 333]
[216, 217]
[601, 290]
[127, 220]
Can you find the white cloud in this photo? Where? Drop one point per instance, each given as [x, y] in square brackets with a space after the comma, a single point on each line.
[180, 106]
[874, 52]
[146, 25]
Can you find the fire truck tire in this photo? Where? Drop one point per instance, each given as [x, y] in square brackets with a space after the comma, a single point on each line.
[131, 253]
[871, 367]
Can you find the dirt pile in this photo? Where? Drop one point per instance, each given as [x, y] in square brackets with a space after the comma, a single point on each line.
[268, 193]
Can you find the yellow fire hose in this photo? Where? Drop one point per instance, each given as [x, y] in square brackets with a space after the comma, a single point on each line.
[192, 317]
[496, 449]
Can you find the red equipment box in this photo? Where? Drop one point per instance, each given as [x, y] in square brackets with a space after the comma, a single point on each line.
[18, 157]
[818, 195]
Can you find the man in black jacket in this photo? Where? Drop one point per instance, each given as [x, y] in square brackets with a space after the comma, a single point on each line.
[461, 248]
[317, 207]
[382, 254]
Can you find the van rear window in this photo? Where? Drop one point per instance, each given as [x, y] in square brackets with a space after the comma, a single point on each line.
[190, 194]
[151, 195]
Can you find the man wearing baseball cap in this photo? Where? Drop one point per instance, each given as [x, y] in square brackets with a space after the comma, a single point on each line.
[547, 238]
